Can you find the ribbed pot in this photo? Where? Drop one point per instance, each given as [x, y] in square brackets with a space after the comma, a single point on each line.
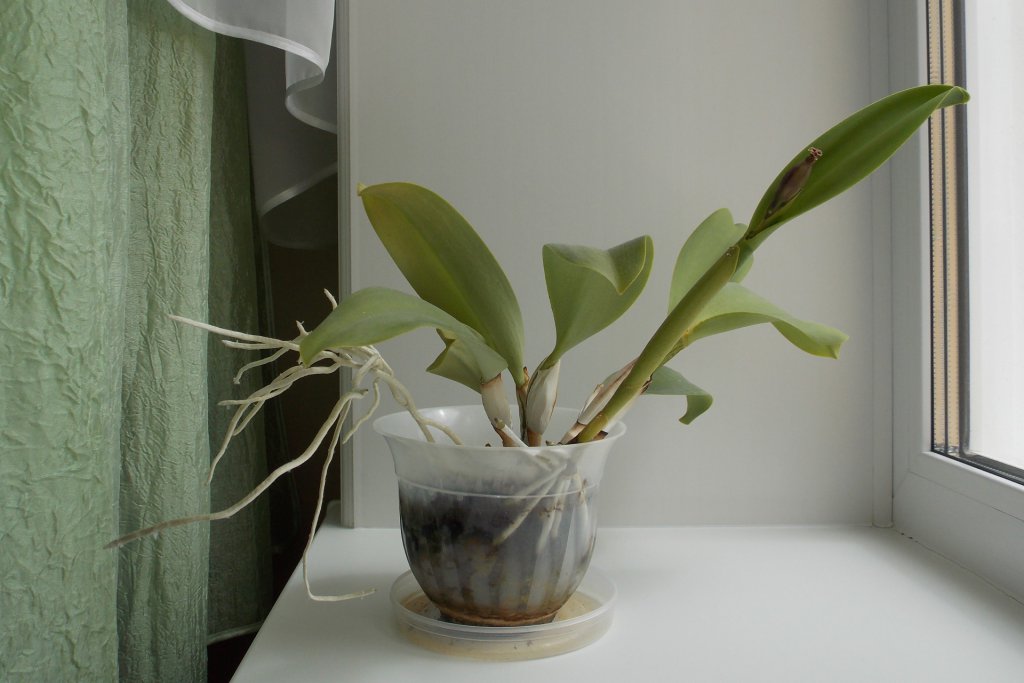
[495, 536]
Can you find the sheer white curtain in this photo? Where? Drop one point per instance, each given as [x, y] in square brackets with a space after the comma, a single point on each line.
[302, 28]
[288, 158]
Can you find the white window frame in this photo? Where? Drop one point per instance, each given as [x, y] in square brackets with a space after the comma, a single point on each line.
[974, 518]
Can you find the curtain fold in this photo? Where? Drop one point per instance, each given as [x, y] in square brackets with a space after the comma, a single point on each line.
[240, 585]
[165, 446]
[117, 198]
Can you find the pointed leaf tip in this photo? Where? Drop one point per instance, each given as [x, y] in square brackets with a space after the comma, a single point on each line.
[667, 382]
[735, 307]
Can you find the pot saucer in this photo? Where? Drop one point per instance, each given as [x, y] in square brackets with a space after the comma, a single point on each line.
[582, 620]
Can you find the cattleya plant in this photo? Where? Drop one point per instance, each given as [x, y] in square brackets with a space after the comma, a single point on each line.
[464, 295]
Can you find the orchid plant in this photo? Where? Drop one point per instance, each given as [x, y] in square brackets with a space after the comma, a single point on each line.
[463, 293]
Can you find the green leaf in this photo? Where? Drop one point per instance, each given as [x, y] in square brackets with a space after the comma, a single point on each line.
[590, 288]
[735, 306]
[853, 149]
[667, 382]
[702, 249]
[456, 363]
[375, 314]
[448, 264]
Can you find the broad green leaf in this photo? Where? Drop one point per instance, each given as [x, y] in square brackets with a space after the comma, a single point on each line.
[853, 149]
[667, 382]
[456, 363]
[702, 249]
[448, 264]
[375, 314]
[735, 306]
[590, 288]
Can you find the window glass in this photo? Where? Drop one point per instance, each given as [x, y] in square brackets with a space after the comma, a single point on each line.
[994, 46]
[977, 211]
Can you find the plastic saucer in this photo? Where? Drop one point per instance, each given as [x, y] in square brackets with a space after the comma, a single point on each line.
[582, 620]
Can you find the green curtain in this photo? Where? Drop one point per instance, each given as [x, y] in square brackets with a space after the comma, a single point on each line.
[119, 206]
[63, 193]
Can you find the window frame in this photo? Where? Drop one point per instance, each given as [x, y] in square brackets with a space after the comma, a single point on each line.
[972, 517]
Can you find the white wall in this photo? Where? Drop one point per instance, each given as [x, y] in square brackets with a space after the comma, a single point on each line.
[593, 122]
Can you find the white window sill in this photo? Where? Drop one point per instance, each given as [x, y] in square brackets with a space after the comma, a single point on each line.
[695, 603]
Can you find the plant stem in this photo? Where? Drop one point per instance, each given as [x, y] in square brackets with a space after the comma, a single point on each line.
[663, 341]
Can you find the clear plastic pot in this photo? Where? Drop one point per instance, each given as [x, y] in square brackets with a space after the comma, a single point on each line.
[495, 536]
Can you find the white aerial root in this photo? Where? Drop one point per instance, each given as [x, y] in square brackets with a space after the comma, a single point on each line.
[339, 410]
[249, 407]
[560, 485]
[366, 362]
[332, 449]
[404, 399]
[256, 363]
[273, 343]
[550, 530]
[536, 492]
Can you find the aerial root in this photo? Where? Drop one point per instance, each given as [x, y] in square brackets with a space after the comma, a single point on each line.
[367, 364]
[331, 450]
[336, 413]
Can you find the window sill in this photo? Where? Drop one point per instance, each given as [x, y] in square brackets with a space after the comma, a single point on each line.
[969, 516]
[701, 603]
